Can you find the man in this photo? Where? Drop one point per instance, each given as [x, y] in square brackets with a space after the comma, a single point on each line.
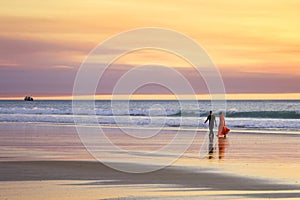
[212, 122]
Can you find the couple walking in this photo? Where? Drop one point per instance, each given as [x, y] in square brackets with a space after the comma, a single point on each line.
[212, 122]
[222, 131]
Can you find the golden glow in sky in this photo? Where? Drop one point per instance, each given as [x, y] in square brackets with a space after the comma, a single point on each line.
[255, 44]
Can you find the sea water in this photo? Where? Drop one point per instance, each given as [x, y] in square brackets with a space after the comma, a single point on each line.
[281, 115]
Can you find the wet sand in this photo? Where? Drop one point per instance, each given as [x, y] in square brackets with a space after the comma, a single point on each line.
[47, 162]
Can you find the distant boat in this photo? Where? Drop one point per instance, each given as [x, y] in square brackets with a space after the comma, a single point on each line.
[28, 98]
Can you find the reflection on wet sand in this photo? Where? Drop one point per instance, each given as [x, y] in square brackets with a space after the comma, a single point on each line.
[221, 145]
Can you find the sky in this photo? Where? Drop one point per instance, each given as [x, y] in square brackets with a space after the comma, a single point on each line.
[255, 44]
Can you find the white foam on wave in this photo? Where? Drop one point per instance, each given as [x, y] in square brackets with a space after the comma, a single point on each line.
[154, 121]
[148, 113]
[232, 110]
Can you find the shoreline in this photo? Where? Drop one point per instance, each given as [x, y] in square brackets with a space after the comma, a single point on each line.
[50, 162]
[169, 128]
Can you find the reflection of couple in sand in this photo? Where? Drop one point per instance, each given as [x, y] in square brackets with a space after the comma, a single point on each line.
[222, 131]
[222, 144]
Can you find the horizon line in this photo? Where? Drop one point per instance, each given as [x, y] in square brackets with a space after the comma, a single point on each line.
[232, 96]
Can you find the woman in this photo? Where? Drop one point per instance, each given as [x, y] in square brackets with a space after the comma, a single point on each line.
[222, 132]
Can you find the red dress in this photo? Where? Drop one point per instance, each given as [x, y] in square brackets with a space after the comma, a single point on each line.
[223, 130]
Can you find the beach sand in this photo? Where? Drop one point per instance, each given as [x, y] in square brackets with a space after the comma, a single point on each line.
[39, 161]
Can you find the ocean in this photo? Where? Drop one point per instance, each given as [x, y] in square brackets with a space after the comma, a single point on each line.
[265, 115]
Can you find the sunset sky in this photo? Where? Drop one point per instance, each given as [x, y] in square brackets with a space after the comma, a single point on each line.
[255, 44]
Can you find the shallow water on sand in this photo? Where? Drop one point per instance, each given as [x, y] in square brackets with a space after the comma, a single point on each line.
[46, 161]
[272, 156]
